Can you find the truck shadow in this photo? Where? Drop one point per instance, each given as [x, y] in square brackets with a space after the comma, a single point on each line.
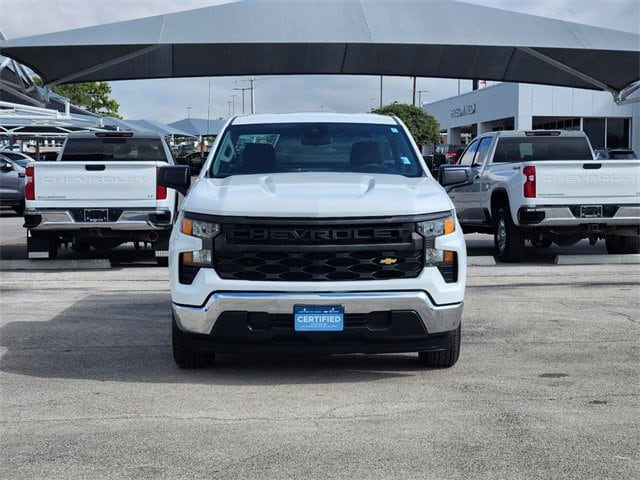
[126, 338]
[480, 245]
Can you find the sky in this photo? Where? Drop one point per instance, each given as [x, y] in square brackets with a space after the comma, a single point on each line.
[169, 100]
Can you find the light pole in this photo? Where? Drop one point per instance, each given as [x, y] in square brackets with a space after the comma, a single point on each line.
[233, 101]
[243, 89]
[251, 81]
[188, 112]
[420, 92]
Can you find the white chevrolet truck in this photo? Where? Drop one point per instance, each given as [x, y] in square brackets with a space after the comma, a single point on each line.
[101, 192]
[315, 233]
[545, 186]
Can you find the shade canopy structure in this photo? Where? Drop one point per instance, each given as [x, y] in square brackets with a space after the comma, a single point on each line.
[199, 127]
[26, 121]
[142, 126]
[425, 38]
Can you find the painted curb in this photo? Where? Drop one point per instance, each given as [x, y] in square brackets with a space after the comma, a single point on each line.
[482, 261]
[597, 259]
[89, 264]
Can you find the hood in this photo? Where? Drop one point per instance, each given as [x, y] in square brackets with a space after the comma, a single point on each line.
[317, 195]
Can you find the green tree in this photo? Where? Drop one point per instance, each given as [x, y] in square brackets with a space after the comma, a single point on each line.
[423, 126]
[92, 96]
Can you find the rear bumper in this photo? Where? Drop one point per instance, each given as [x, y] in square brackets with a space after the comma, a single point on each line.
[260, 316]
[127, 220]
[569, 216]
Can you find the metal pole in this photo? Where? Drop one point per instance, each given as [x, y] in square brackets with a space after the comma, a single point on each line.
[414, 91]
[243, 89]
[380, 91]
[233, 100]
[209, 112]
[253, 95]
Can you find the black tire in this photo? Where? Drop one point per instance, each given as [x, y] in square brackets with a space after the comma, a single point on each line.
[507, 237]
[19, 209]
[184, 354]
[618, 245]
[443, 358]
[53, 247]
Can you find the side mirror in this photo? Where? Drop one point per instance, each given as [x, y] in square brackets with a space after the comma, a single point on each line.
[177, 177]
[453, 176]
[428, 159]
[6, 167]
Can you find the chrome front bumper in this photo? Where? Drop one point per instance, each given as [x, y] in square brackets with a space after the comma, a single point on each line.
[203, 319]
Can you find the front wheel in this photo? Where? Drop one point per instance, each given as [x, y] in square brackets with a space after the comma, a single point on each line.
[618, 245]
[508, 238]
[443, 358]
[184, 354]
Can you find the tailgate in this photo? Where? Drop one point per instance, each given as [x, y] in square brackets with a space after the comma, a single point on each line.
[601, 181]
[96, 181]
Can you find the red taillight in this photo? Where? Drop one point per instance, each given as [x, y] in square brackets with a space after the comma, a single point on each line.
[161, 191]
[529, 181]
[29, 186]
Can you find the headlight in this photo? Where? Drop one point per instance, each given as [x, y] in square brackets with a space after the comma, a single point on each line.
[192, 261]
[437, 227]
[444, 260]
[200, 229]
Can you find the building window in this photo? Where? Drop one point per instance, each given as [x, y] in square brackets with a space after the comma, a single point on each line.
[618, 133]
[595, 130]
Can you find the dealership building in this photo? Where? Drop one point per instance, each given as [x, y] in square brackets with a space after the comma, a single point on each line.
[514, 106]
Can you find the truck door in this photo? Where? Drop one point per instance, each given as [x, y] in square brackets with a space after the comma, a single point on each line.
[475, 196]
[9, 181]
[467, 196]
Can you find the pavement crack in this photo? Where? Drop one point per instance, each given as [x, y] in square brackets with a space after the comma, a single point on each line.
[625, 315]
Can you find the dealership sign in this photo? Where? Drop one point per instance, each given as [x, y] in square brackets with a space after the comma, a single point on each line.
[469, 109]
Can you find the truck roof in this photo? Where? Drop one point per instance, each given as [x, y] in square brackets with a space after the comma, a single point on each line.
[536, 133]
[313, 117]
[114, 134]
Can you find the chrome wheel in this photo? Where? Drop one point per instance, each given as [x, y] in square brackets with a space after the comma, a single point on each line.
[501, 235]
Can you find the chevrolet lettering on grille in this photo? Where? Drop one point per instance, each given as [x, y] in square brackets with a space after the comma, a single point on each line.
[309, 235]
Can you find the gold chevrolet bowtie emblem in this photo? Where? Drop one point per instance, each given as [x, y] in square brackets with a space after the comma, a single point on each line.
[388, 261]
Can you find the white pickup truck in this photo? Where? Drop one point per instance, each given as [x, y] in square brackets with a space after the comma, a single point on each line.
[101, 192]
[545, 186]
[315, 232]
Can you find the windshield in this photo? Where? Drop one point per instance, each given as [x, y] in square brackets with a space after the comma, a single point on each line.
[22, 162]
[314, 147]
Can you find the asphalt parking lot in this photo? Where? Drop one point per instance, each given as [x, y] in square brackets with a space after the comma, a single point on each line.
[547, 385]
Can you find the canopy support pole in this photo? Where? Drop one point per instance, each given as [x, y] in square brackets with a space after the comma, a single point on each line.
[617, 95]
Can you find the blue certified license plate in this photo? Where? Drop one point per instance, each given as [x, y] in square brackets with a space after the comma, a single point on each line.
[318, 319]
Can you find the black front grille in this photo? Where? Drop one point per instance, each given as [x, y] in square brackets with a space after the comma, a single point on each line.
[317, 266]
[311, 252]
[299, 234]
